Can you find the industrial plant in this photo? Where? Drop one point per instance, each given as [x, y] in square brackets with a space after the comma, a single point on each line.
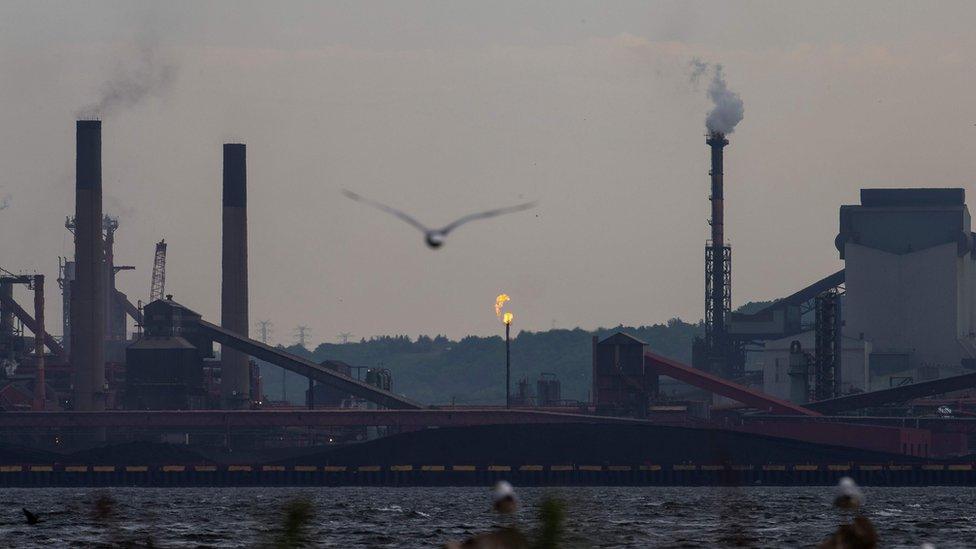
[871, 364]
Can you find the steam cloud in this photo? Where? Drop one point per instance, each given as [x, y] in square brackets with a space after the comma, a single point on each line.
[727, 110]
[148, 75]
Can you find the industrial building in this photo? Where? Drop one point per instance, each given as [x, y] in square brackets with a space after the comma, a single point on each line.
[871, 355]
[907, 311]
[910, 270]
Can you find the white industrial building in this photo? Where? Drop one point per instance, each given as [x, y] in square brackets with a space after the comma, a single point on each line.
[855, 355]
[909, 311]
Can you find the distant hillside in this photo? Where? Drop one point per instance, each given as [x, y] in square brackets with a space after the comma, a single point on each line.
[472, 371]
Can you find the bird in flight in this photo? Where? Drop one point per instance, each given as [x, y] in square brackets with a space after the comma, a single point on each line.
[435, 237]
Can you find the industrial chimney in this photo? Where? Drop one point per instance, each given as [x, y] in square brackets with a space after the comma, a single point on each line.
[717, 142]
[722, 354]
[235, 374]
[88, 287]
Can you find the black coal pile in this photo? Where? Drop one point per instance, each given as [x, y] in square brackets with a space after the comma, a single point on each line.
[584, 443]
[136, 453]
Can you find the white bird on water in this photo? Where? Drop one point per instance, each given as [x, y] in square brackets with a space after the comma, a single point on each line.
[435, 237]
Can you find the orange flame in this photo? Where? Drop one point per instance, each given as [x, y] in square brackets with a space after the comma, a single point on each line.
[499, 303]
[507, 319]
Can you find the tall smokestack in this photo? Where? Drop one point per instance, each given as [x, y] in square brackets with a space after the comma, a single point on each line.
[39, 382]
[716, 266]
[88, 288]
[717, 142]
[235, 376]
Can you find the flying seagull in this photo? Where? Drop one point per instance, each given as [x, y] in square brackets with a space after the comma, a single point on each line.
[435, 237]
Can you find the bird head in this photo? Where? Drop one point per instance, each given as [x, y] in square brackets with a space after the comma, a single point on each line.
[434, 239]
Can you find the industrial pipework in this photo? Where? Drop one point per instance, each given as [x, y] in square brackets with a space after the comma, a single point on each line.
[40, 395]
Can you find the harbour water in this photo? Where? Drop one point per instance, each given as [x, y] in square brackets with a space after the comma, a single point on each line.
[429, 517]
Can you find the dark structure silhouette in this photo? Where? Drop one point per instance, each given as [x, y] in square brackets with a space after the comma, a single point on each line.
[31, 517]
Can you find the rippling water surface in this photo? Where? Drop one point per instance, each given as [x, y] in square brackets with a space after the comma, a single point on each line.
[428, 517]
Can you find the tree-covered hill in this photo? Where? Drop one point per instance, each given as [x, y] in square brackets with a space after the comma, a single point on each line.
[436, 370]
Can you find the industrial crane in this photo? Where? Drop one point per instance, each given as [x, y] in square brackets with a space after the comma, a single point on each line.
[159, 272]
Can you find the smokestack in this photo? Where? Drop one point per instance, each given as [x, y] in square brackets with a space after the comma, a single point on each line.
[88, 288]
[717, 142]
[235, 376]
[39, 388]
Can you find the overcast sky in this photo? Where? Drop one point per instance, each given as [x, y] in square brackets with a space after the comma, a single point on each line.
[443, 108]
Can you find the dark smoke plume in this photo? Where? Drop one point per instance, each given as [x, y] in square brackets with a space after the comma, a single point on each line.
[147, 75]
[5, 202]
[727, 110]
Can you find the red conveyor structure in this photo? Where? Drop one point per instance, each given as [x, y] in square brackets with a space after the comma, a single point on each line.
[740, 393]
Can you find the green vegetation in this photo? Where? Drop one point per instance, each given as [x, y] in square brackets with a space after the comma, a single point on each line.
[436, 370]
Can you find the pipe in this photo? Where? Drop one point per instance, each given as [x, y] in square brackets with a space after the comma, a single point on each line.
[39, 382]
[6, 313]
[235, 383]
[25, 318]
[87, 291]
[508, 366]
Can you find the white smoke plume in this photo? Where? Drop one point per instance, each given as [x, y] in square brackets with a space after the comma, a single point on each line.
[147, 74]
[727, 110]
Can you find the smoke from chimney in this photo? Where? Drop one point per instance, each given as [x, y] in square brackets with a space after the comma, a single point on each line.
[148, 74]
[727, 110]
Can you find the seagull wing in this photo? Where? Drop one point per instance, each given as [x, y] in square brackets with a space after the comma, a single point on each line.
[387, 209]
[484, 215]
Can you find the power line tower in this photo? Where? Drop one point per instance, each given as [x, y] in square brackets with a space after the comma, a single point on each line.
[301, 333]
[158, 286]
[344, 337]
[265, 330]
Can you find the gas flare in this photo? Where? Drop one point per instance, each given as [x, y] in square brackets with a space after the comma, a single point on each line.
[507, 319]
[499, 303]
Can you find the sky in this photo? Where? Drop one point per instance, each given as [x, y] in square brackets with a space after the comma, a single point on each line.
[445, 108]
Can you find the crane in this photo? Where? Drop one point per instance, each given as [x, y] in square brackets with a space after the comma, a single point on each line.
[158, 272]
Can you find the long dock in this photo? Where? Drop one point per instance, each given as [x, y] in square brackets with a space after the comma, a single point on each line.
[179, 475]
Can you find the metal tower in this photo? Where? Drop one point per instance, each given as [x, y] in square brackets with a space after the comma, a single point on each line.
[158, 286]
[827, 353]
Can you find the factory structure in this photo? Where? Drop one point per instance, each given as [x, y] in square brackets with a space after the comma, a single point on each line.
[861, 355]
[885, 340]
[168, 362]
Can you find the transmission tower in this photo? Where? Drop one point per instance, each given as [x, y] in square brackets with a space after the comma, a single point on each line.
[158, 286]
[344, 337]
[264, 330]
[301, 333]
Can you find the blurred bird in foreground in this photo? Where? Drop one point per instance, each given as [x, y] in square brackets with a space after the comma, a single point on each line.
[859, 533]
[548, 533]
[849, 494]
[435, 237]
[31, 517]
[503, 498]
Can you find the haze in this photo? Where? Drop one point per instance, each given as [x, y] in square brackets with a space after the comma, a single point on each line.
[445, 108]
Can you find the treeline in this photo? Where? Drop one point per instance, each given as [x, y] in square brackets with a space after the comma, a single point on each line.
[438, 370]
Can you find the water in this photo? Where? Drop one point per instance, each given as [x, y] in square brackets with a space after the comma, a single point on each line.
[428, 517]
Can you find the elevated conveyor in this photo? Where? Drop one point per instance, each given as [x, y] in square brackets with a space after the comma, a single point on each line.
[894, 395]
[750, 397]
[304, 367]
